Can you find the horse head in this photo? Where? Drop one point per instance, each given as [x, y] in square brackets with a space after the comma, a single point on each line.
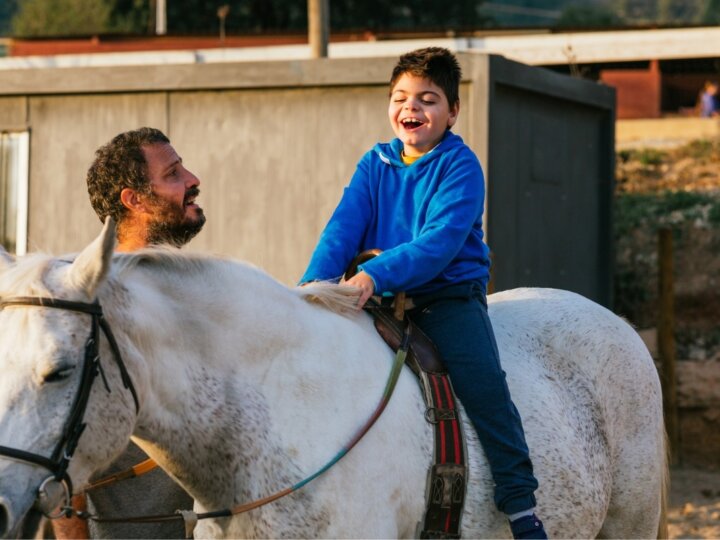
[46, 391]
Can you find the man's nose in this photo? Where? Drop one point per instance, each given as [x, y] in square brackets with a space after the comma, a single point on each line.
[191, 180]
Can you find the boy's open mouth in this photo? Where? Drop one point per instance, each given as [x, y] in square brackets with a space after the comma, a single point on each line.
[411, 123]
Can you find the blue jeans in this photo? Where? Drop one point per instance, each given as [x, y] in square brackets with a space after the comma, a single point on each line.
[456, 320]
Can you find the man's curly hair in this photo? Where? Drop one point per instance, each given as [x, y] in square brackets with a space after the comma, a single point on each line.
[435, 63]
[118, 165]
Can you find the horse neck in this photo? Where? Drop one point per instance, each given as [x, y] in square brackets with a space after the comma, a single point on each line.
[212, 364]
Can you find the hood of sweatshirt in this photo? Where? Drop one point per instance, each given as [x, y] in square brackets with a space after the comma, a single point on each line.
[390, 152]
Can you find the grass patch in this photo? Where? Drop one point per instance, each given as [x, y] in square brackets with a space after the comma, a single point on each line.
[651, 156]
[701, 149]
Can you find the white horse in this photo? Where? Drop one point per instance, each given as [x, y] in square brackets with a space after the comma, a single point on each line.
[246, 388]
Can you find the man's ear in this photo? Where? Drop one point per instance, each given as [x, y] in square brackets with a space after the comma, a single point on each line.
[454, 111]
[131, 200]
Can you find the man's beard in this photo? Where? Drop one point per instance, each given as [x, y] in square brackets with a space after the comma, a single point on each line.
[170, 225]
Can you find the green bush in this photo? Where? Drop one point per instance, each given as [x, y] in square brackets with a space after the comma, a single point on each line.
[633, 210]
[714, 214]
[649, 156]
[699, 149]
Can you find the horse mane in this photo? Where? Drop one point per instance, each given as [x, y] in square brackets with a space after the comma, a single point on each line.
[162, 258]
[340, 299]
[26, 274]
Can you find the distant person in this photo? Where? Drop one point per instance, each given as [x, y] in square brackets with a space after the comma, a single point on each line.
[709, 100]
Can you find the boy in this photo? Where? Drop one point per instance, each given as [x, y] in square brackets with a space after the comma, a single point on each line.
[420, 200]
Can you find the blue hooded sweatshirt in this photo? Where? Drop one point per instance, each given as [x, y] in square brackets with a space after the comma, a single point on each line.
[426, 217]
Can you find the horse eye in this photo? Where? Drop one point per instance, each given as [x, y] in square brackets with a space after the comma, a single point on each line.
[59, 374]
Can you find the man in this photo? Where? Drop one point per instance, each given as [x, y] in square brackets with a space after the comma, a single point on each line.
[140, 181]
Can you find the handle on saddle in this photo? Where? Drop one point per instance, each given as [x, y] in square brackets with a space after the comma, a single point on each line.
[365, 256]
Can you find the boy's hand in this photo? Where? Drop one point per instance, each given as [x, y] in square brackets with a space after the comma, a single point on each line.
[366, 285]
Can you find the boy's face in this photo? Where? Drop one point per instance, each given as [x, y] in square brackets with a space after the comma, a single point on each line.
[419, 113]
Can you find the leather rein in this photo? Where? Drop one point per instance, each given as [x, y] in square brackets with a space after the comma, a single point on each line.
[74, 426]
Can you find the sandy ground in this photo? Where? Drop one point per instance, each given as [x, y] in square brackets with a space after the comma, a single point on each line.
[694, 510]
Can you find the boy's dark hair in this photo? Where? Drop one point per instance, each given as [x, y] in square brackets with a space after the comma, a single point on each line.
[118, 165]
[434, 63]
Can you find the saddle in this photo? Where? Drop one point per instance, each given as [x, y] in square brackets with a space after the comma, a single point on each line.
[447, 476]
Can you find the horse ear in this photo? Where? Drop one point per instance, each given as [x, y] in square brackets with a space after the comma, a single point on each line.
[93, 263]
[5, 258]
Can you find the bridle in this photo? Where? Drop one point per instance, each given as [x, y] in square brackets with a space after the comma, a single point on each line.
[74, 426]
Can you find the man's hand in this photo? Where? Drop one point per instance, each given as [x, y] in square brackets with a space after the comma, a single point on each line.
[364, 282]
[74, 527]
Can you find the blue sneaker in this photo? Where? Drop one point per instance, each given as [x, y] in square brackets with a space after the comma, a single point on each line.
[528, 527]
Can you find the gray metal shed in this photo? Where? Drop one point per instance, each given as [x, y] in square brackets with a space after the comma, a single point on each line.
[551, 170]
[274, 143]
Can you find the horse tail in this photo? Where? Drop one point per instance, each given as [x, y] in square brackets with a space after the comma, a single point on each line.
[664, 489]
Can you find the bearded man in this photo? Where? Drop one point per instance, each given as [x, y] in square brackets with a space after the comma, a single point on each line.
[139, 180]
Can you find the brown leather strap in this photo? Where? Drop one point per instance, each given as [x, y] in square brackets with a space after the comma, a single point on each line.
[139, 469]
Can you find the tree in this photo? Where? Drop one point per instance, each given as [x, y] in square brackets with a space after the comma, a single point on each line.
[7, 10]
[664, 11]
[575, 16]
[406, 14]
[82, 17]
[132, 17]
[62, 17]
[711, 14]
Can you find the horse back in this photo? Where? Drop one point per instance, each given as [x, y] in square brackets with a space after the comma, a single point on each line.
[589, 396]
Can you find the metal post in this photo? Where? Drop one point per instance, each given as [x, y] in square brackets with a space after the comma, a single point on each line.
[318, 27]
[222, 14]
[160, 18]
[666, 341]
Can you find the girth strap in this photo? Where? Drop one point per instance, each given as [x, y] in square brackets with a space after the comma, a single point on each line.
[447, 477]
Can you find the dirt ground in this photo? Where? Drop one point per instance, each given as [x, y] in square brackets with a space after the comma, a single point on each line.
[694, 510]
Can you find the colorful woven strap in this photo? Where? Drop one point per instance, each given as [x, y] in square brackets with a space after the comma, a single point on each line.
[447, 477]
